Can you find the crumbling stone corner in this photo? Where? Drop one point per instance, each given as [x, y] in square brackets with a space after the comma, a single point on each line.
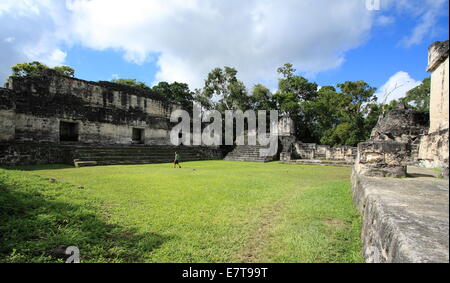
[382, 159]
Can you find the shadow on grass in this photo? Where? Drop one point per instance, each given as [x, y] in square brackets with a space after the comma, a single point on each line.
[37, 167]
[34, 221]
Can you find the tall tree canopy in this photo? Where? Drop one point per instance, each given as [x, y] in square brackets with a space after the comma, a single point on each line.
[419, 97]
[261, 98]
[177, 93]
[37, 68]
[130, 82]
[291, 97]
[223, 91]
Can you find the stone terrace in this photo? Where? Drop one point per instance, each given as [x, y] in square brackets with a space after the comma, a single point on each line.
[405, 219]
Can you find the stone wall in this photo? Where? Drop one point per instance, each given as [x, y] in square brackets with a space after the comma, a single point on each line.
[405, 220]
[382, 159]
[21, 153]
[434, 147]
[438, 65]
[7, 129]
[105, 113]
[434, 151]
[32, 153]
[323, 152]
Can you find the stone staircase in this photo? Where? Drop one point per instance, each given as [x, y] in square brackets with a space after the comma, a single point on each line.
[118, 155]
[247, 153]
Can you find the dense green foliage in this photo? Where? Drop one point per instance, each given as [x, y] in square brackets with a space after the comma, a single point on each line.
[341, 115]
[419, 97]
[223, 91]
[36, 69]
[154, 213]
[130, 82]
[177, 93]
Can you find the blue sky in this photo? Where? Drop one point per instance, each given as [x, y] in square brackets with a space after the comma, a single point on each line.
[327, 41]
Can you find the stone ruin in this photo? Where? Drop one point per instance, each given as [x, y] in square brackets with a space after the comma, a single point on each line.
[294, 151]
[393, 144]
[56, 119]
[433, 150]
[407, 219]
[404, 136]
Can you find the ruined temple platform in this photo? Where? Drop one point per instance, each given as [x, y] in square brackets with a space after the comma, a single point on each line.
[404, 219]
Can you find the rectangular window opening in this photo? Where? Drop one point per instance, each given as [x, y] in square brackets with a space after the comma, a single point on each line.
[138, 136]
[68, 131]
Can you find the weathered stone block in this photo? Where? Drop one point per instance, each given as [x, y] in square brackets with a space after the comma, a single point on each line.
[382, 158]
[434, 150]
[438, 64]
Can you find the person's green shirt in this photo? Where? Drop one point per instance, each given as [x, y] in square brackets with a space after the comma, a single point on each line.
[177, 157]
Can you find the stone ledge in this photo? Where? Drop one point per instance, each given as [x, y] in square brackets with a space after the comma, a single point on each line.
[404, 220]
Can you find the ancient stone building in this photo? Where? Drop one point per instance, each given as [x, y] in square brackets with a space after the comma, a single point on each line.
[407, 219]
[433, 151]
[403, 136]
[53, 118]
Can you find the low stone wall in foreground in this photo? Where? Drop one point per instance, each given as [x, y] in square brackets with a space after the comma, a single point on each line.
[404, 219]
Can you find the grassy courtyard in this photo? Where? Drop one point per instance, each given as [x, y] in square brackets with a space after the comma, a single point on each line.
[208, 211]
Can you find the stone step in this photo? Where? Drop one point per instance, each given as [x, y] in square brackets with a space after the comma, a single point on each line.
[119, 154]
[114, 155]
[79, 163]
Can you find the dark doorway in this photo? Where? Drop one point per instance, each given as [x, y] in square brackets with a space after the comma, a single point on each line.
[138, 136]
[68, 131]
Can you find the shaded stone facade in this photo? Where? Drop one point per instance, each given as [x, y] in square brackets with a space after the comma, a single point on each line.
[50, 118]
[39, 109]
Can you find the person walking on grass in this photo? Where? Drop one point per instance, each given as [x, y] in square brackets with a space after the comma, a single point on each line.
[176, 161]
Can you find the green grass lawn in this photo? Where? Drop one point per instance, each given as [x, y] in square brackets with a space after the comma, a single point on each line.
[207, 211]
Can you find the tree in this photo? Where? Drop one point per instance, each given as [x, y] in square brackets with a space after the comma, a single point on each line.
[292, 97]
[342, 117]
[223, 86]
[261, 98]
[299, 86]
[65, 71]
[178, 93]
[324, 111]
[36, 68]
[358, 104]
[131, 82]
[28, 69]
[419, 97]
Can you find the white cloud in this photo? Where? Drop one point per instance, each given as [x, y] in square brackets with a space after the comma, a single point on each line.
[427, 13]
[396, 87]
[187, 38]
[29, 30]
[194, 36]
